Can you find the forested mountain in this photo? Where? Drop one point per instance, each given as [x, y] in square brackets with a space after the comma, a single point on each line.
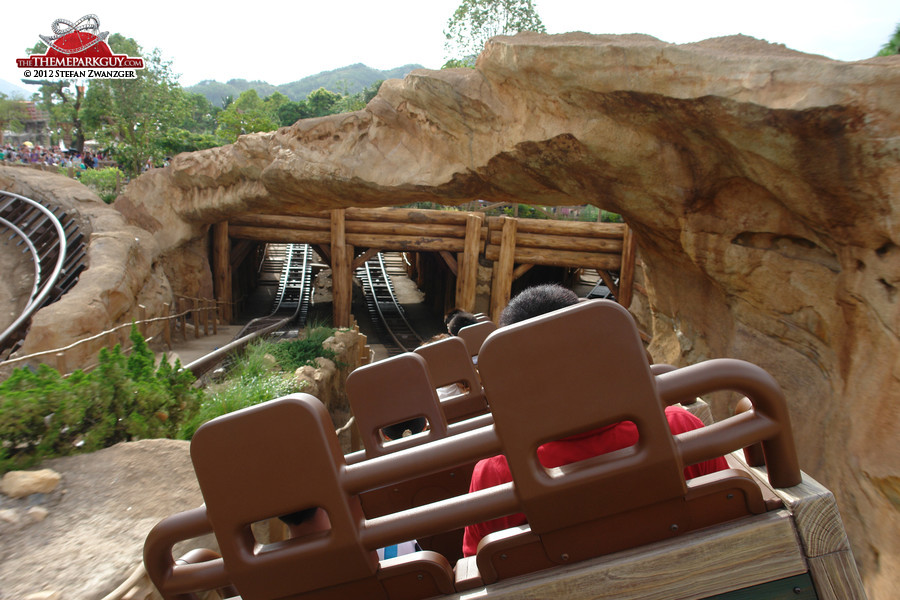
[346, 80]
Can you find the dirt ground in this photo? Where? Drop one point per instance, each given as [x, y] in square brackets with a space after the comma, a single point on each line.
[16, 282]
[98, 517]
[92, 537]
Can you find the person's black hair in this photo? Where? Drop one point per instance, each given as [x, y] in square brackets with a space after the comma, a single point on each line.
[395, 431]
[451, 314]
[460, 319]
[535, 301]
[299, 517]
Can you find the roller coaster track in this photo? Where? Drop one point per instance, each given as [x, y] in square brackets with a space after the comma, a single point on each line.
[387, 314]
[290, 307]
[57, 252]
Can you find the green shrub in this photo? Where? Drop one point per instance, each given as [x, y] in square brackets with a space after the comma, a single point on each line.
[293, 354]
[102, 181]
[43, 414]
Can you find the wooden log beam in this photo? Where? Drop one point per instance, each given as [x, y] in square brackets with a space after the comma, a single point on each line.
[521, 270]
[407, 229]
[503, 269]
[561, 242]
[450, 261]
[559, 258]
[467, 279]
[407, 215]
[222, 267]
[581, 228]
[283, 222]
[608, 280]
[279, 235]
[341, 274]
[362, 258]
[432, 228]
[403, 243]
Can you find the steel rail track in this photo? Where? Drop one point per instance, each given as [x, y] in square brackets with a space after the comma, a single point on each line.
[56, 249]
[290, 306]
[387, 314]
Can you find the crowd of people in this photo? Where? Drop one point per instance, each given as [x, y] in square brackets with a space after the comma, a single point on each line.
[28, 153]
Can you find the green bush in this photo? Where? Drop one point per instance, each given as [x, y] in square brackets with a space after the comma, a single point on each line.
[102, 181]
[293, 354]
[43, 414]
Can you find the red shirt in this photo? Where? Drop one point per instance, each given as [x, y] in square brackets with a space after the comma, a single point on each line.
[495, 470]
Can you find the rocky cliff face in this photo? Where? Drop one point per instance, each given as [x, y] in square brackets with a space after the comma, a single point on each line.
[762, 184]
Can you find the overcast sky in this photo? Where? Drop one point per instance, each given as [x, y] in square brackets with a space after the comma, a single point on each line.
[280, 42]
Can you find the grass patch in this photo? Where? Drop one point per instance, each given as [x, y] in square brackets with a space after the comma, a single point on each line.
[264, 371]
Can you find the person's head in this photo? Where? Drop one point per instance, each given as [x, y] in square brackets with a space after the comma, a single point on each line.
[459, 320]
[398, 430]
[535, 301]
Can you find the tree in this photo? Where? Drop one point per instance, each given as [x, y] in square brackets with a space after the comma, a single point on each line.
[291, 112]
[133, 116]
[63, 100]
[476, 21]
[321, 102]
[248, 114]
[12, 115]
[892, 46]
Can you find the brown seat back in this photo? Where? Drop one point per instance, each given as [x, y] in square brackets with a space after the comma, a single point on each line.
[584, 367]
[449, 363]
[397, 389]
[392, 391]
[474, 335]
[270, 460]
[570, 372]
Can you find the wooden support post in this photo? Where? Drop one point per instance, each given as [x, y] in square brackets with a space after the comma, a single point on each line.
[222, 268]
[467, 278]
[195, 317]
[341, 274]
[626, 275]
[183, 319]
[167, 328]
[61, 363]
[205, 311]
[214, 307]
[503, 269]
[142, 318]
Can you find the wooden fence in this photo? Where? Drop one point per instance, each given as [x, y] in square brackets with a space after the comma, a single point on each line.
[201, 314]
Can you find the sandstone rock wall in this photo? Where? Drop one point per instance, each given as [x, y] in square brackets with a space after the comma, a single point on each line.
[762, 185]
[124, 269]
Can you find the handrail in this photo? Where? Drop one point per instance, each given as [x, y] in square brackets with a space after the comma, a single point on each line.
[36, 301]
